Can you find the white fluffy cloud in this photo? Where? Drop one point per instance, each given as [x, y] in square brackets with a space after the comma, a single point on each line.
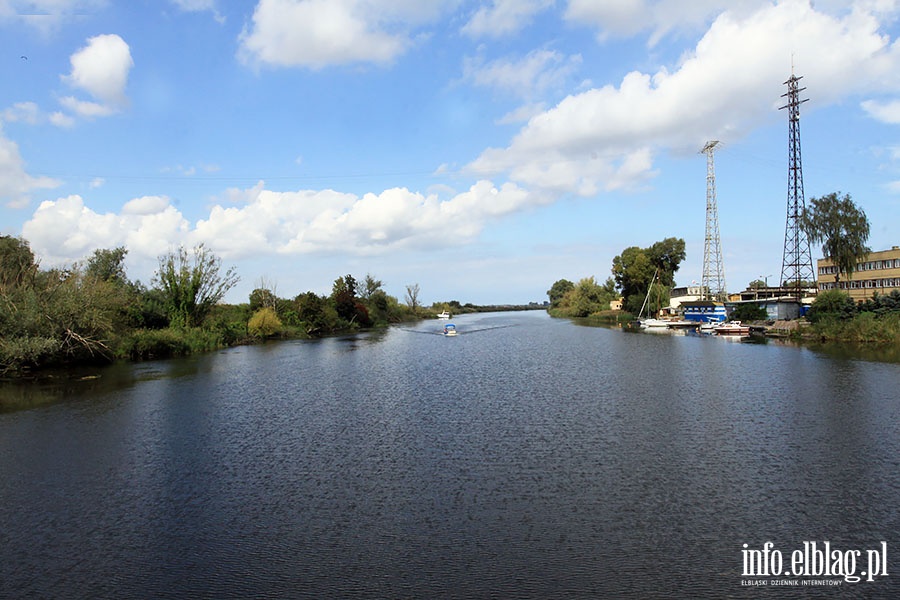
[268, 222]
[320, 33]
[604, 138]
[66, 230]
[101, 69]
[15, 184]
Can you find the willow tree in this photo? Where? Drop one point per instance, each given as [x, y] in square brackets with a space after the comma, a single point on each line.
[841, 227]
[191, 283]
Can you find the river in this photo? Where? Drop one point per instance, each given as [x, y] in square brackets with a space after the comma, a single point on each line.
[528, 457]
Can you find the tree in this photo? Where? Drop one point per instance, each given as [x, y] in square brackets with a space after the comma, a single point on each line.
[107, 265]
[588, 297]
[264, 295]
[666, 256]
[343, 294]
[831, 304]
[370, 286]
[412, 296]
[635, 268]
[192, 283]
[316, 313]
[749, 312]
[17, 264]
[263, 298]
[559, 289]
[633, 273]
[841, 227]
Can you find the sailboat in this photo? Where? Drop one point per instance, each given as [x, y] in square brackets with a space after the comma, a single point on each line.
[648, 321]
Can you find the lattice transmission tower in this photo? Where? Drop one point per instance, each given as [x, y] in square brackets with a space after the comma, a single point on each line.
[713, 279]
[796, 262]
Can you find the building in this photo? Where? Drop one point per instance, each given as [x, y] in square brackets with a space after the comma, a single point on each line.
[878, 274]
[690, 293]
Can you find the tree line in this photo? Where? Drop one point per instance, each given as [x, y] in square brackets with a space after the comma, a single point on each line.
[637, 274]
[91, 312]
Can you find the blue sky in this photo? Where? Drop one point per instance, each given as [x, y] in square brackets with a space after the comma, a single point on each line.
[480, 149]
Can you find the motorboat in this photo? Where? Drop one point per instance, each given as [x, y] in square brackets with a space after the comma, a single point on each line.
[681, 324]
[444, 316]
[732, 328]
[450, 330]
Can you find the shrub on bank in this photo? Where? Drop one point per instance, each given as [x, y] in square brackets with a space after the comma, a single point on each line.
[866, 327]
[146, 344]
[264, 323]
[26, 352]
[831, 305]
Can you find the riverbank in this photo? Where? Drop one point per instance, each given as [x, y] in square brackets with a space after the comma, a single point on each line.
[879, 332]
[864, 328]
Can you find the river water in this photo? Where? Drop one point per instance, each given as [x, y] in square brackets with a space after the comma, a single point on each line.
[528, 457]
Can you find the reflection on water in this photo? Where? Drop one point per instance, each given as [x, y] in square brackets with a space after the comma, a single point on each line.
[537, 460]
[58, 385]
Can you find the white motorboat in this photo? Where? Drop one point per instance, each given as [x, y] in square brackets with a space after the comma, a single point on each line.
[733, 328]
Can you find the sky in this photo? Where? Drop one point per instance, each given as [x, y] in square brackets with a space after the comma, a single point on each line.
[480, 149]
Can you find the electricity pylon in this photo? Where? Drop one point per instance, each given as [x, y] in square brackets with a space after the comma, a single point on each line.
[796, 261]
[713, 279]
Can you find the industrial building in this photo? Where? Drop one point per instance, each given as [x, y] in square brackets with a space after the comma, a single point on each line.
[878, 274]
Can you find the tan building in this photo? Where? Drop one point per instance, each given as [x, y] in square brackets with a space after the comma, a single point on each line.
[878, 274]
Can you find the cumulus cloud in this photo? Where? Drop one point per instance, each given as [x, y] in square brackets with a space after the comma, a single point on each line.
[66, 230]
[269, 222]
[101, 69]
[16, 184]
[320, 33]
[504, 17]
[604, 138]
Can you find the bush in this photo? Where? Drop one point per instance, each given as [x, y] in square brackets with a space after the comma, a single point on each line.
[831, 304]
[264, 323]
[144, 344]
[882, 304]
[865, 328]
[749, 312]
[19, 353]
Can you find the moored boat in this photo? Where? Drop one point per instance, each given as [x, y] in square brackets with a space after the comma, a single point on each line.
[732, 328]
[681, 324]
[444, 316]
[650, 322]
